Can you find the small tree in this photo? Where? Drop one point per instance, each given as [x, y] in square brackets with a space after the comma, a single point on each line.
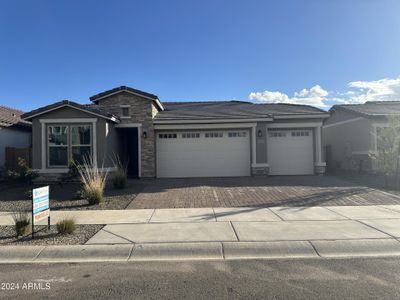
[388, 150]
[23, 173]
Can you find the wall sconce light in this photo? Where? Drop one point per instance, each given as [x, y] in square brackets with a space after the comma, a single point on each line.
[259, 133]
[144, 134]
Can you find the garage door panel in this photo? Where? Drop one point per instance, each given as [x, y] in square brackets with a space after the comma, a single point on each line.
[203, 157]
[290, 152]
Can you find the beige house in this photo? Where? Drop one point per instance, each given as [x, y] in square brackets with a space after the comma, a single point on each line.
[179, 139]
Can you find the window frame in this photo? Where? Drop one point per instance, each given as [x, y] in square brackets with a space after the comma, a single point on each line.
[69, 145]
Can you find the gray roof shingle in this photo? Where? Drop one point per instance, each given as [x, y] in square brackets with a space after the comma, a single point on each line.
[372, 108]
[121, 89]
[231, 110]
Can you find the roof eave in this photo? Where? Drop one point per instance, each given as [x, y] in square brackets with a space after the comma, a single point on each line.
[29, 117]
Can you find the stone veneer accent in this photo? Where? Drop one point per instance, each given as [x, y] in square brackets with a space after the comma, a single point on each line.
[141, 111]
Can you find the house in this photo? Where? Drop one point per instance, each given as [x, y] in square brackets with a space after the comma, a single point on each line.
[178, 139]
[14, 131]
[349, 134]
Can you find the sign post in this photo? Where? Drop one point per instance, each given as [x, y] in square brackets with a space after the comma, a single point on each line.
[40, 207]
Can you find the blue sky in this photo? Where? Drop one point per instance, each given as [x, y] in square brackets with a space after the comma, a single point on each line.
[316, 52]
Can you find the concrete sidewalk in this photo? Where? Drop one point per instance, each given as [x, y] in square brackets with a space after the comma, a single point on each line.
[224, 233]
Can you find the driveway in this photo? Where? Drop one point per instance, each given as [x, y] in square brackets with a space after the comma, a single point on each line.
[258, 192]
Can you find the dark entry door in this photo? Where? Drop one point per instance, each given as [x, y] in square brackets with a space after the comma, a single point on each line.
[132, 153]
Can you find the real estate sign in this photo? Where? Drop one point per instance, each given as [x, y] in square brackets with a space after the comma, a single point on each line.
[40, 204]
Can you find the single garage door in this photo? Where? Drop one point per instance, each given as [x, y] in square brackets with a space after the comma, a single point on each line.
[203, 153]
[290, 152]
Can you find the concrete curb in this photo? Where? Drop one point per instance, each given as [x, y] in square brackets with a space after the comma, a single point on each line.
[200, 251]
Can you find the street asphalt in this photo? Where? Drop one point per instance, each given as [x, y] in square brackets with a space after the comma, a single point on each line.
[361, 278]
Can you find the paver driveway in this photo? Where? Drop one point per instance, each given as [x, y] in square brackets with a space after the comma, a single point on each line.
[257, 191]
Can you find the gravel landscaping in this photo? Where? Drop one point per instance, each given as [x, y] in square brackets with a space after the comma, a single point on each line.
[43, 236]
[15, 198]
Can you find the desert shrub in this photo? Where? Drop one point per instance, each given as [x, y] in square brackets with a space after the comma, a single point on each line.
[22, 223]
[66, 226]
[93, 181]
[120, 176]
[22, 173]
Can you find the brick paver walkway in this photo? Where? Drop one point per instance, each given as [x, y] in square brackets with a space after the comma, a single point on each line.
[258, 191]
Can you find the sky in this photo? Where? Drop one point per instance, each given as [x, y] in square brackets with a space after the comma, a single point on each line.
[317, 52]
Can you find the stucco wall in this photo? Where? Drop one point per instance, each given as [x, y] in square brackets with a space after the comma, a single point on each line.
[10, 137]
[348, 142]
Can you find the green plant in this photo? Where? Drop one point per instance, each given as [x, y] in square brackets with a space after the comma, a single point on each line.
[28, 194]
[73, 172]
[22, 173]
[120, 176]
[22, 223]
[66, 226]
[93, 181]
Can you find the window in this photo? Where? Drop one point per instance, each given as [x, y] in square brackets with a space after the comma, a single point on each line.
[167, 136]
[277, 134]
[66, 142]
[125, 111]
[58, 145]
[237, 134]
[214, 135]
[80, 142]
[190, 135]
[300, 133]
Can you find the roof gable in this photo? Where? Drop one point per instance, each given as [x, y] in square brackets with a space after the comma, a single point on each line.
[130, 90]
[90, 109]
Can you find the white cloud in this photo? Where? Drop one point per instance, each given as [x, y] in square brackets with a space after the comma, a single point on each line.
[358, 92]
[378, 90]
[314, 96]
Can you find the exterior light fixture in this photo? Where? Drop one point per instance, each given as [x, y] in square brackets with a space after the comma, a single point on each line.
[259, 133]
[144, 134]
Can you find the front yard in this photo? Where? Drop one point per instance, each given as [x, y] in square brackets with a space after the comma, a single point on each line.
[15, 197]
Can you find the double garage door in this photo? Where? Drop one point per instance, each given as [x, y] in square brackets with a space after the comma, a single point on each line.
[227, 153]
[203, 153]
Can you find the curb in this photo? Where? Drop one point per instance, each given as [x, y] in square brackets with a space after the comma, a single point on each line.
[200, 251]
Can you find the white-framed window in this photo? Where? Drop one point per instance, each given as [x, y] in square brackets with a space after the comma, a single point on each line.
[277, 134]
[190, 135]
[167, 135]
[237, 134]
[214, 134]
[68, 142]
[81, 142]
[125, 111]
[58, 136]
[300, 133]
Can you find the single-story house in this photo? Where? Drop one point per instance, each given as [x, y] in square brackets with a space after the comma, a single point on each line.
[350, 133]
[179, 139]
[14, 131]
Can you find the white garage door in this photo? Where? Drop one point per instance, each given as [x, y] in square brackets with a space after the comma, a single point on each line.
[203, 153]
[290, 152]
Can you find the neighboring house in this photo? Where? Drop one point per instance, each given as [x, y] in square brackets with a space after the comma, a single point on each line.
[349, 134]
[14, 131]
[180, 139]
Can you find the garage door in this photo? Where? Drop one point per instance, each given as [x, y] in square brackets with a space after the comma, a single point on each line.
[290, 152]
[203, 153]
